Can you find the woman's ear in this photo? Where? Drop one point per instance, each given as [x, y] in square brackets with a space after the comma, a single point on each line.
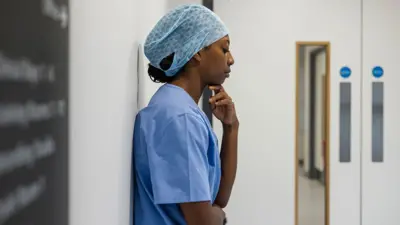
[197, 57]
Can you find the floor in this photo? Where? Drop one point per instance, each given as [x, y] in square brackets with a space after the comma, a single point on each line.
[311, 201]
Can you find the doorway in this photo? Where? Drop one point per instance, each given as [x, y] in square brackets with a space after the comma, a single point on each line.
[312, 133]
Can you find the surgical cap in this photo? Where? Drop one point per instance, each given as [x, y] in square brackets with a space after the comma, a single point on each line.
[184, 31]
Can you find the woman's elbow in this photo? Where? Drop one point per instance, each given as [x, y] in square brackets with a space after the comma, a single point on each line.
[221, 202]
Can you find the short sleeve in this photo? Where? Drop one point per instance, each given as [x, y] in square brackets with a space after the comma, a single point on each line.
[178, 161]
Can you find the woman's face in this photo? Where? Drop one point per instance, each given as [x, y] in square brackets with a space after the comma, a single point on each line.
[216, 61]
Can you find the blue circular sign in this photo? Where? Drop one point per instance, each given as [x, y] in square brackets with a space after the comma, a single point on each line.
[345, 72]
[377, 71]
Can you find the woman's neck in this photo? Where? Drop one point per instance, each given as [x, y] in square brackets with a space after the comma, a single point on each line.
[191, 85]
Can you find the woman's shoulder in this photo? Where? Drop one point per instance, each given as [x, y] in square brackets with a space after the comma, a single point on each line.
[159, 116]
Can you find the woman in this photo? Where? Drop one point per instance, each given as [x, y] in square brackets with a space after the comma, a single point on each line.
[180, 176]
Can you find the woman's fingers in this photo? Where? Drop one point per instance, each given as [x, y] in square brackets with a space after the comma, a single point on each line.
[224, 102]
[216, 88]
[218, 97]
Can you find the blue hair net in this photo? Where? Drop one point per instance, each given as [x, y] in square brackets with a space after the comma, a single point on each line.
[184, 31]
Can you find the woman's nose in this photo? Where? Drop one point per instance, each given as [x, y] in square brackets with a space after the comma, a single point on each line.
[231, 60]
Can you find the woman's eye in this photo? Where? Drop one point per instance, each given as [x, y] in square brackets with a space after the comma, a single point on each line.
[225, 50]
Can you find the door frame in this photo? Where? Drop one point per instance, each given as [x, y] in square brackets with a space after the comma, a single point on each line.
[327, 46]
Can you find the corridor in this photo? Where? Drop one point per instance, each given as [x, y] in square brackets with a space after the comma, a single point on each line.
[311, 201]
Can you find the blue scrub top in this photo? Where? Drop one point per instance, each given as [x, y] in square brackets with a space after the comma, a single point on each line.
[176, 158]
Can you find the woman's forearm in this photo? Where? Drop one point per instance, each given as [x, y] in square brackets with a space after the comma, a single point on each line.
[228, 163]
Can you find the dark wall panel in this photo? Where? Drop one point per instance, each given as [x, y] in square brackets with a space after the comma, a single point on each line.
[34, 112]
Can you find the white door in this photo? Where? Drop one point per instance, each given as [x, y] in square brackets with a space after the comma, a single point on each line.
[381, 122]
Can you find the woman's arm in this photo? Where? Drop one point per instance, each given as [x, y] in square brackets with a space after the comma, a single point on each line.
[228, 163]
[202, 213]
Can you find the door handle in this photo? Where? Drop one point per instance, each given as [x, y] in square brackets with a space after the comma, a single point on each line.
[345, 122]
[377, 121]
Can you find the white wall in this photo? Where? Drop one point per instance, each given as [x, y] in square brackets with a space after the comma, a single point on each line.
[174, 3]
[262, 85]
[102, 104]
[102, 108]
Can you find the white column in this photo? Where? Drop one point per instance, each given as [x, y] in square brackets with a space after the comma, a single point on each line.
[102, 109]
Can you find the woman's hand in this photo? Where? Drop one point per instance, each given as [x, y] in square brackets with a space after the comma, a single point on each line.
[222, 213]
[222, 106]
